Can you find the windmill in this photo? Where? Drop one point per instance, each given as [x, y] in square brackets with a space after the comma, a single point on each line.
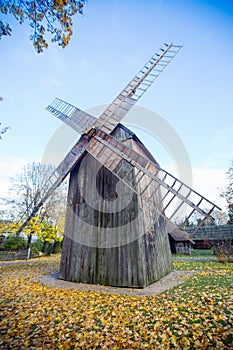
[126, 245]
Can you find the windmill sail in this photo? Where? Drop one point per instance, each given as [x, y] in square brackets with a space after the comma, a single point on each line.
[110, 153]
[136, 88]
[116, 111]
[56, 178]
[71, 115]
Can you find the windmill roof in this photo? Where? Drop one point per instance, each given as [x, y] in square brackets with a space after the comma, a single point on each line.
[128, 134]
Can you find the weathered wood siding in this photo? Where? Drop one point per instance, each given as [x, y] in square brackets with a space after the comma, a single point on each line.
[110, 239]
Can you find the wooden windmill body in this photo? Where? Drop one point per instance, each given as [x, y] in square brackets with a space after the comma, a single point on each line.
[126, 247]
[117, 233]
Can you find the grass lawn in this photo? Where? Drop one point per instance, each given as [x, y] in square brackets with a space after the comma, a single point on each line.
[196, 253]
[202, 252]
[195, 315]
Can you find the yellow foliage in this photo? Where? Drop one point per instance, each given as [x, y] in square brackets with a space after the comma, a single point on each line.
[40, 228]
[33, 227]
[51, 18]
[38, 317]
[12, 227]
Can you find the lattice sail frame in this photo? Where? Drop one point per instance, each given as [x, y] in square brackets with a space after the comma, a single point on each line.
[136, 88]
[110, 152]
[71, 115]
[117, 110]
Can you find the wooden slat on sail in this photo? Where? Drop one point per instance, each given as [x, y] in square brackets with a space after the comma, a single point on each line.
[136, 88]
[110, 152]
[71, 115]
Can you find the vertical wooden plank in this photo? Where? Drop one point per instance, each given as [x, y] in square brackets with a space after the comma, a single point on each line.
[144, 259]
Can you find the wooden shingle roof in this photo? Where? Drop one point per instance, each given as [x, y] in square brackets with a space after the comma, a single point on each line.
[213, 232]
[180, 235]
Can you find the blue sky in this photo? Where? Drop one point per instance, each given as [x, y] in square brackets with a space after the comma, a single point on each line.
[111, 42]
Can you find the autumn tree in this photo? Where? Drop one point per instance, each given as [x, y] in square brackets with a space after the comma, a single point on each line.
[51, 18]
[47, 233]
[24, 195]
[217, 218]
[227, 193]
[220, 217]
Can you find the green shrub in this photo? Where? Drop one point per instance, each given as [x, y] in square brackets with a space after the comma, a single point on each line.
[57, 247]
[48, 248]
[14, 243]
[223, 250]
[37, 247]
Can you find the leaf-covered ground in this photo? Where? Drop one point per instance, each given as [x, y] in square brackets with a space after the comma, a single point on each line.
[195, 315]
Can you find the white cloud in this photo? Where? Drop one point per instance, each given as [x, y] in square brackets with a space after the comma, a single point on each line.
[209, 182]
[10, 165]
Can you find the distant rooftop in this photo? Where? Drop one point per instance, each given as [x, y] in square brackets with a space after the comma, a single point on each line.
[213, 232]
